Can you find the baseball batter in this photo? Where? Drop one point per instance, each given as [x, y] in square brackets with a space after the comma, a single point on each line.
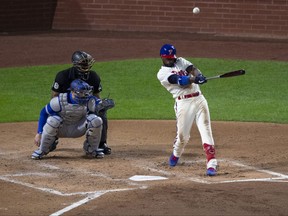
[182, 79]
[72, 115]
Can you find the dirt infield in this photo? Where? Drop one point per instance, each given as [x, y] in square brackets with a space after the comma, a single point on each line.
[253, 171]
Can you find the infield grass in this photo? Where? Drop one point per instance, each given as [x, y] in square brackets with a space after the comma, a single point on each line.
[258, 96]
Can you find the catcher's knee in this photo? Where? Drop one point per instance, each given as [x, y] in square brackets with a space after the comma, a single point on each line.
[94, 126]
[93, 121]
[52, 125]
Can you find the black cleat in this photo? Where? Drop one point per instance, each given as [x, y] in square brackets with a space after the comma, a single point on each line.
[106, 148]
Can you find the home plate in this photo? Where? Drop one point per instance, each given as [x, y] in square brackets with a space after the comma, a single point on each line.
[146, 178]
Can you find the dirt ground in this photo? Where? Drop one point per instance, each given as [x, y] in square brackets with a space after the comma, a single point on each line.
[253, 171]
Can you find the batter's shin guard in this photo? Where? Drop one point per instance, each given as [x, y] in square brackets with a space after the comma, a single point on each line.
[210, 151]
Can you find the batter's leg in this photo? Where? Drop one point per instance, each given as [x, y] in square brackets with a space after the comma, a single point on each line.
[185, 116]
[203, 123]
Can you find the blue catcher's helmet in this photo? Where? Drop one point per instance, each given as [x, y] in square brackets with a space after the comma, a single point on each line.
[168, 51]
[82, 91]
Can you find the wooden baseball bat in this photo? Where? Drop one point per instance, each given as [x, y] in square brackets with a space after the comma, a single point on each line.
[228, 74]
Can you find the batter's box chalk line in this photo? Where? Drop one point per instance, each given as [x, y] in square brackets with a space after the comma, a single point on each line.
[151, 167]
[89, 196]
[275, 176]
[87, 199]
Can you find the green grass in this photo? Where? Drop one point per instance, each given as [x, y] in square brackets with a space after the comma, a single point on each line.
[258, 96]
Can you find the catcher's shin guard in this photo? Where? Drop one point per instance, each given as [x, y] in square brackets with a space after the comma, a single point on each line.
[49, 135]
[89, 151]
[93, 134]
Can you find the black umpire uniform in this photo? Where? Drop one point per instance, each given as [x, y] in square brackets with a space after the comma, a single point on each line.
[62, 83]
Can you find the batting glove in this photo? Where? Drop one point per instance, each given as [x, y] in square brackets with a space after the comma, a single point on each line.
[200, 79]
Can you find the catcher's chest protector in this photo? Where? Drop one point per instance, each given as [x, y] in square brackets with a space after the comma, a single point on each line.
[70, 113]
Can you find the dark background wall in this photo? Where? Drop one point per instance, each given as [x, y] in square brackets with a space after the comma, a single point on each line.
[251, 18]
[26, 15]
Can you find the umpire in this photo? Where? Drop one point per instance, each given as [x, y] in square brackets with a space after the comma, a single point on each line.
[82, 64]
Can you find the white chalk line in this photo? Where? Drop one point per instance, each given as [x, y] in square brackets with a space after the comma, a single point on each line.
[236, 163]
[167, 173]
[49, 190]
[279, 176]
[76, 204]
[49, 166]
[97, 174]
[276, 179]
[87, 199]
[91, 195]
[52, 191]
[28, 174]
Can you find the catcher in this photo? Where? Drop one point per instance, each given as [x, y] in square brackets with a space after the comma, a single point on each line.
[81, 69]
[72, 115]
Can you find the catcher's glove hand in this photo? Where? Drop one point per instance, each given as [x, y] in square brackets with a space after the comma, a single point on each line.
[105, 104]
[96, 105]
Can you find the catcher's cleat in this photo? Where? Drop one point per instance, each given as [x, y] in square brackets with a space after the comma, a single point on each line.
[106, 149]
[37, 154]
[98, 154]
[211, 172]
[173, 160]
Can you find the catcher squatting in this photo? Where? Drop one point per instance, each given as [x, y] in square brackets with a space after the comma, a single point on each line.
[72, 115]
[82, 63]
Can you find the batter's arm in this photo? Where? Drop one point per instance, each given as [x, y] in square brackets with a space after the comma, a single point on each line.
[197, 77]
[193, 70]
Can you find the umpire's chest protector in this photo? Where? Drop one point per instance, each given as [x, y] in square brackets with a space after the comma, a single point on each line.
[71, 113]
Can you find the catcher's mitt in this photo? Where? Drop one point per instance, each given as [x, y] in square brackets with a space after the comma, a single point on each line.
[105, 104]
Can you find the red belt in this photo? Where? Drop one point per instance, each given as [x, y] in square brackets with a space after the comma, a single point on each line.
[195, 94]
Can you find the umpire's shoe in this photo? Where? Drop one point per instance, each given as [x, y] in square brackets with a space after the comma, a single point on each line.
[106, 149]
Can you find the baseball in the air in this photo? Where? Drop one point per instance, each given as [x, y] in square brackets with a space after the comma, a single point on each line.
[196, 10]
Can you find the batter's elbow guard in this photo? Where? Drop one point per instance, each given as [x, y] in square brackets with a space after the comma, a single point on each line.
[183, 80]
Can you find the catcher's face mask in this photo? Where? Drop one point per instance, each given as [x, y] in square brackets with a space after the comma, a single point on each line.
[81, 91]
[82, 97]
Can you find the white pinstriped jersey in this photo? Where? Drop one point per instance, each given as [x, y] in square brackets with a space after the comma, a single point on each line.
[179, 68]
